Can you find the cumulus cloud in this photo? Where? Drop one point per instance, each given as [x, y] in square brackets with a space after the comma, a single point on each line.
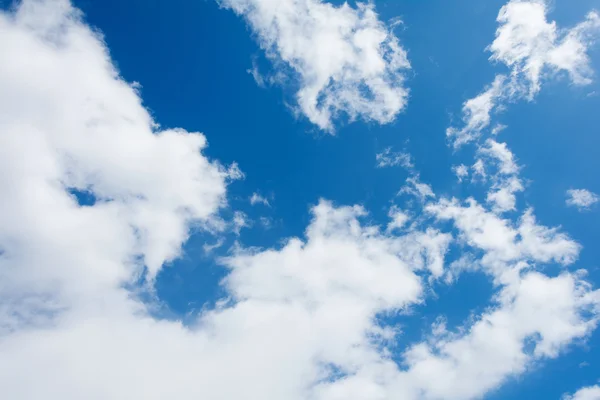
[532, 46]
[508, 247]
[71, 125]
[345, 59]
[533, 49]
[298, 321]
[583, 199]
[586, 393]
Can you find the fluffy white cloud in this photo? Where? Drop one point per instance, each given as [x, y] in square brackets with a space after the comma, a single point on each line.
[583, 199]
[546, 312]
[507, 247]
[502, 194]
[532, 46]
[534, 49]
[587, 393]
[300, 321]
[67, 322]
[69, 124]
[346, 60]
[398, 219]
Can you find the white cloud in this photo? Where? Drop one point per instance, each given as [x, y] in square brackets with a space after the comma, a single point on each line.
[549, 312]
[532, 46]
[461, 171]
[505, 182]
[503, 157]
[534, 49]
[415, 187]
[498, 128]
[507, 246]
[398, 219]
[479, 169]
[70, 122]
[346, 60]
[295, 317]
[256, 75]
[583, 199]
[502, 194]
[477, 114]
[388, 158]
[68, 323]
[586, 393]
[209, 248]
[256, 198]
[240, 221]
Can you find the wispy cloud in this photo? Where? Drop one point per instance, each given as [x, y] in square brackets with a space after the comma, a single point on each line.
[389, 158]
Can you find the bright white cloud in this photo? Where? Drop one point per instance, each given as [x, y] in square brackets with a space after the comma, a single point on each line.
[587, 393]
[547, 311]
[347, 61]
[299, 321]
[502, 194]
[70, 123]
[506, 245]
[477, 114]
[532, 46]
[583, 199]
[534, 49]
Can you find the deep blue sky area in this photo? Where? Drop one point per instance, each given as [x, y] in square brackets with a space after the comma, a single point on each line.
[191, 58]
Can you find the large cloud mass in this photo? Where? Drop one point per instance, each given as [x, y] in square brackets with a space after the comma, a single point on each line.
[95, 196]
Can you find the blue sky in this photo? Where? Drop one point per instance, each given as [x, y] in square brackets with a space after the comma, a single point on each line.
[151, 250]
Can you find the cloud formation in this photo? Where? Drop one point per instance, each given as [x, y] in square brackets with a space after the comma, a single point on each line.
[587, 393]
[389, 158]
[256, 198]
[583, 199]
[345, 60]
[97, 196]
[533, 49]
